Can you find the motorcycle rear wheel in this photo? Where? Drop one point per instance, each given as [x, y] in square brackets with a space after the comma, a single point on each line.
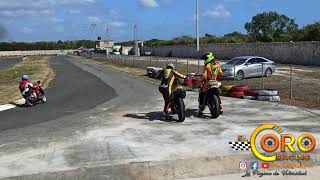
[180, 109]
[214, 106]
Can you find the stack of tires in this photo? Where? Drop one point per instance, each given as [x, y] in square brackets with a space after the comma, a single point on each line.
[238, 91]
[226, 89]
[251, 94]
[188, 83]
[268, 95]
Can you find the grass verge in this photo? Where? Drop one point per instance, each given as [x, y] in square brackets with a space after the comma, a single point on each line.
[38, 68]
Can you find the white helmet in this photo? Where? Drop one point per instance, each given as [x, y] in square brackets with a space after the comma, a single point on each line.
[171, 65]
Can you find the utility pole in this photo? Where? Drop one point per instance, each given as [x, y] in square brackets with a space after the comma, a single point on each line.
[107, 34]
[135, 34]
[197, 34]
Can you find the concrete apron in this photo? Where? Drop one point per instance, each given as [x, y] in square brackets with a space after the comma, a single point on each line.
[151, 170]
[158, 170]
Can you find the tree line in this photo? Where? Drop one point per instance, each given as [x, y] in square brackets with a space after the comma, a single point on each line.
[264, 27]
[23, 46]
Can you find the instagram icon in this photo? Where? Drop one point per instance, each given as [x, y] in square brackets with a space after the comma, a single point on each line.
[243, 165]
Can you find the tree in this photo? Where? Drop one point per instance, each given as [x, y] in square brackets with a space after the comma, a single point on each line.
[208, 35]
[311, 32]
[271, 26]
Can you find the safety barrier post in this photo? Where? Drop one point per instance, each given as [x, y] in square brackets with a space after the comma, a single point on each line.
[187, 66]
[291, 73]
[262, 76]
[157, 62]
[177, 63]
[234, 74]
[150, 64]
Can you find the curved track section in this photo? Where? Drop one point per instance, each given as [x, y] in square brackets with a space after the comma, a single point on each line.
[73, 90]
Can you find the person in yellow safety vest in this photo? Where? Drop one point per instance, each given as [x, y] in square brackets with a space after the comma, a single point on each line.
[211, 70]
[168, 83]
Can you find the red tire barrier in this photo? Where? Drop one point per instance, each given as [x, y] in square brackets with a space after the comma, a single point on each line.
[196, 82]
[241, 88]
[188, 83]
[251, 92]
[237, 94]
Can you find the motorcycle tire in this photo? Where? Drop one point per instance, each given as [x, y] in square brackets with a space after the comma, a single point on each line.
[214, 106]
[43, 99]
[28, 103]
[269, 98]
[251, 92]
[240, 88]
[237, 94]
[226, 88]
[267, 92]
[180, 109]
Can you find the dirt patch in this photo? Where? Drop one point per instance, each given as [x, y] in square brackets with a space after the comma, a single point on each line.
[38, 68]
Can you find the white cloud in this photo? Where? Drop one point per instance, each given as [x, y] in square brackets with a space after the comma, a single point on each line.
[22, 12]
[57, 20]
[16, 8]
[232, 1]
[27, 30]
[218, 12]
[75, 1]
[117, 24]
[73, 11]
[93, 19]
[148, 3]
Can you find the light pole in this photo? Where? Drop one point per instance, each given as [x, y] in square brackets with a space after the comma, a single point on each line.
[197, 33]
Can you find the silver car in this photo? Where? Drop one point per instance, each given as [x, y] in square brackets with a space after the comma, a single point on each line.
[248, 66]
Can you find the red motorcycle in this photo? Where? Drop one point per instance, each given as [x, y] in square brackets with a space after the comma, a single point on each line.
[34, 95]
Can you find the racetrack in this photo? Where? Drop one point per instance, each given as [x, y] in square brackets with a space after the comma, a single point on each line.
[125, 136]
[73, 90]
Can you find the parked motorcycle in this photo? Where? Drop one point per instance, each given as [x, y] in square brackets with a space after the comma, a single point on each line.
[177, 103]
[35, 94]
[212, 99]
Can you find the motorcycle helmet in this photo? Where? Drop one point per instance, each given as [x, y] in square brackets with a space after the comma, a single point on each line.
[25, 77]
[208, 58]
[171, 66]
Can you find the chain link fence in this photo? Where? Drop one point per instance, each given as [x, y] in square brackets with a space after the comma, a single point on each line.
[296, 85]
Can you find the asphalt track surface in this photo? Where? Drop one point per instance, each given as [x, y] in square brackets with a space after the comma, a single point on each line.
[8, 62]
[73, 90]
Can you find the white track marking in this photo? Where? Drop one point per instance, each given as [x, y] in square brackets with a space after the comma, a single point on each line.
[10, 106]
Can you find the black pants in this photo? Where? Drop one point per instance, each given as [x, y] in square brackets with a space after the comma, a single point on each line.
[166, 97]
[201, 101]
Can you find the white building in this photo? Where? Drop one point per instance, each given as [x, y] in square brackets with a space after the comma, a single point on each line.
[104, 44]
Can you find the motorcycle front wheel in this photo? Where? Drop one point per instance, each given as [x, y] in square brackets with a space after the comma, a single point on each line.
[180, 108]
[43, 99]
[29, 103]
[214, 106]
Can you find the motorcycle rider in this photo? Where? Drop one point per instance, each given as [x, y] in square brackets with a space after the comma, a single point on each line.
[211, 70]
[168, 83]
[25, 85]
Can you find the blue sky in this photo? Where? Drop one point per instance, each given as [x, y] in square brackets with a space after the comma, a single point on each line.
[46, 20]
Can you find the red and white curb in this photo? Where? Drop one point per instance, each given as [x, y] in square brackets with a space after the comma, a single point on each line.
[13, 105]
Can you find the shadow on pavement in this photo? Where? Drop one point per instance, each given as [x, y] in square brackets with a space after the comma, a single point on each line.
[157, 116]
